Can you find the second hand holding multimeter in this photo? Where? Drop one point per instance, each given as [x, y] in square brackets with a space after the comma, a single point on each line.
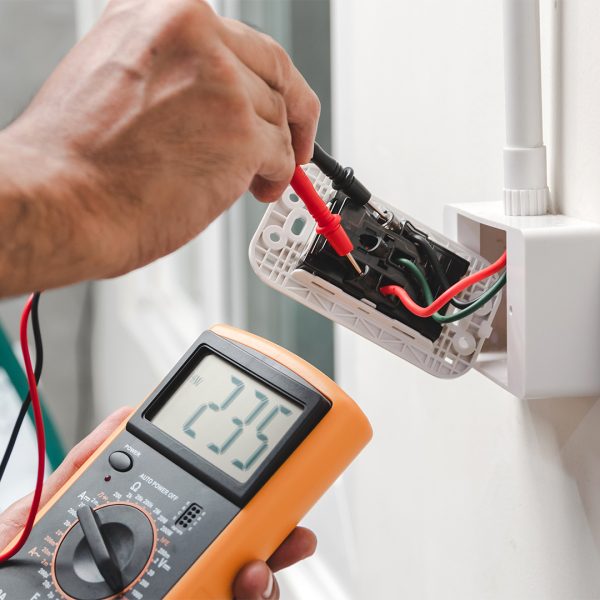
[212, 471]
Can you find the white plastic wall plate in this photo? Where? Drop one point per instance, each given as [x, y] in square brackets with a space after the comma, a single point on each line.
[286, 233]
[546, 341]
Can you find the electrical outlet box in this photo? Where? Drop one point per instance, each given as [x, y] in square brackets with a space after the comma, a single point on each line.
[545, 341]
[379, 247]
[286, 254]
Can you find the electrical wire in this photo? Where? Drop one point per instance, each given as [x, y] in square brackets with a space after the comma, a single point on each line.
[445, 297]
[484, 298]
[39, 363]
[476, 304]
[432, 255]
[39, 430]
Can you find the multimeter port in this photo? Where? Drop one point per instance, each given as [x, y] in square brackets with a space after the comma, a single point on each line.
[190, 515]
[379, 246]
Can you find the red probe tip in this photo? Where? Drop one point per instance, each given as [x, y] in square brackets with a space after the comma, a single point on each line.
[354, 264]
[328, 224]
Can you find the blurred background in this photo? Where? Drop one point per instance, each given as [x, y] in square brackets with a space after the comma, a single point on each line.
[465, 492]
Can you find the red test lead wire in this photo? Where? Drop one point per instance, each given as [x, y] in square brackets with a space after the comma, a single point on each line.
[441, 301]
[41, 441]
[328, 224]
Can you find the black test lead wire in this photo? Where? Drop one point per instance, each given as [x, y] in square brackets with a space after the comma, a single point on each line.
[39, 363]
[38, 417]
[343, 179]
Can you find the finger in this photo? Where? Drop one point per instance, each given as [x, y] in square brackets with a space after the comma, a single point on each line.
[13, 518]
[277, 165]
[267, 191]
[268, 103]
[300, 544]
[255, 582]
[270, 62]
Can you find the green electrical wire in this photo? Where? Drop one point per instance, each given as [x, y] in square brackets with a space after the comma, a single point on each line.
[461, 314]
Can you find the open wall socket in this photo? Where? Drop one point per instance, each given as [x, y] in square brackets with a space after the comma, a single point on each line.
[544, 342]
[289, 258]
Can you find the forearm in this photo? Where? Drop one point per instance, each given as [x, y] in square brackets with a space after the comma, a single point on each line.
[150, 128]
[40, 244]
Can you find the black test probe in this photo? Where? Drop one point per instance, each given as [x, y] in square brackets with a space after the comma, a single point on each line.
[343, 179]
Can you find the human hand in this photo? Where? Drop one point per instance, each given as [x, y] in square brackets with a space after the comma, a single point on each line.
[153, 125]
[254, 582]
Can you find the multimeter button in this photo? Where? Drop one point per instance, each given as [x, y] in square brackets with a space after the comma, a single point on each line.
[120, 461]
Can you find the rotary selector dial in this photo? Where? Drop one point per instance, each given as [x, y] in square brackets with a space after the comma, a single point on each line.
[104, 552]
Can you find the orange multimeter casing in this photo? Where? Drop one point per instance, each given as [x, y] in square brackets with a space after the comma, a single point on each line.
[212, 471]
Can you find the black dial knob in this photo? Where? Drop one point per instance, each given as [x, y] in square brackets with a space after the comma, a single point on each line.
[104, 552]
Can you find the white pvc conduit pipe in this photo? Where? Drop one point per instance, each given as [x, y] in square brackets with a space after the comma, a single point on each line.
[525, 180]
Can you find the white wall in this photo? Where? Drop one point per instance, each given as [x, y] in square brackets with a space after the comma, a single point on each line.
[466, 492]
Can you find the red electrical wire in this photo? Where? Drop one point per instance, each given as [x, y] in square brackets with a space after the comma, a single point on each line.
[39, 430]
[441, 301]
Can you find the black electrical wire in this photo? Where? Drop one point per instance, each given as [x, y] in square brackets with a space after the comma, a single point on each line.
[39, 363]
[432, 255]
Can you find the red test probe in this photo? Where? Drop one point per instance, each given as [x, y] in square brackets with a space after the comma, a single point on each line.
[328, 224]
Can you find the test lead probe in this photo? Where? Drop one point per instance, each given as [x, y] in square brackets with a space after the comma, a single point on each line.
[328, 224]
[343, 179]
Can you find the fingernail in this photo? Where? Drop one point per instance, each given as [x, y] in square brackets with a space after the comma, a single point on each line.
[269, 589]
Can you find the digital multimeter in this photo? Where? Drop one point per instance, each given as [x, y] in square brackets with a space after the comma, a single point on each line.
[212, 471]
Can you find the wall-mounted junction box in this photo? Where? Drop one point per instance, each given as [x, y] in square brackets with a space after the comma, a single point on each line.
[545, 341]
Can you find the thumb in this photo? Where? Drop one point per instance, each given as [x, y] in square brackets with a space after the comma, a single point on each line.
[255, 582]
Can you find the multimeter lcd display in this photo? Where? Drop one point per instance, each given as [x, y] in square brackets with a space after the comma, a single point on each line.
[227, 417]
